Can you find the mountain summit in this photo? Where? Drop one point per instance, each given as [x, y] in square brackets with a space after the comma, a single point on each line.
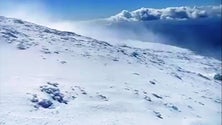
[51, 77]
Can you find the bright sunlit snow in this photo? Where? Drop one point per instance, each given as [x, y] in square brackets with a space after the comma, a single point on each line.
[49, 77]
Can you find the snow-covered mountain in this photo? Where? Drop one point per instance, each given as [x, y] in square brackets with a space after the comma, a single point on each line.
[50, 77]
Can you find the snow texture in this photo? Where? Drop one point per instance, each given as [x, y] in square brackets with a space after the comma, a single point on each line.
[50, 77]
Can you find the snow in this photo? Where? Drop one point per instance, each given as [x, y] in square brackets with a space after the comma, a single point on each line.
[104, 84]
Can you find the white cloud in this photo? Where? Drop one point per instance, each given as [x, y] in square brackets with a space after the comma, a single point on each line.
[173, 13]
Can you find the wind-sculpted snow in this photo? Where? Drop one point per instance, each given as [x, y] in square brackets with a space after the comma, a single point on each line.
[50, 77]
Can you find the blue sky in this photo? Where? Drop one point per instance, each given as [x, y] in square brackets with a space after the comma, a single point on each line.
[92, 9]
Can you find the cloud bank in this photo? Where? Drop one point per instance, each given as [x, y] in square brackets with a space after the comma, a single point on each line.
[169, 13]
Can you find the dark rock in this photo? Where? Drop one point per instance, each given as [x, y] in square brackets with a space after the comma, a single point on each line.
[171, 106]
[83, 92]
[65, 101]
[50, 90]
[178, 76]
[53, 84]
[46, 51]
[174, 108]
[45, 103]
[115, 59]
[22, 46]
[134, 54]
[152, 82]
[58, 97]
[34, 98]
[157, 96]
[54, 92]
[190, 107]
[8, 34]
[103, 97]
[217, 100]
[158, 114]
[218, 77]
[73, 97]
[147, 98]
[136, 73]
[200, 103]
[63, 62]
[136, 92]
[203, 76]
[18, 21]
[56, 52]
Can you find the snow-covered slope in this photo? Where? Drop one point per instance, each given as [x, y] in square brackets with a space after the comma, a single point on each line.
[49, 77]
